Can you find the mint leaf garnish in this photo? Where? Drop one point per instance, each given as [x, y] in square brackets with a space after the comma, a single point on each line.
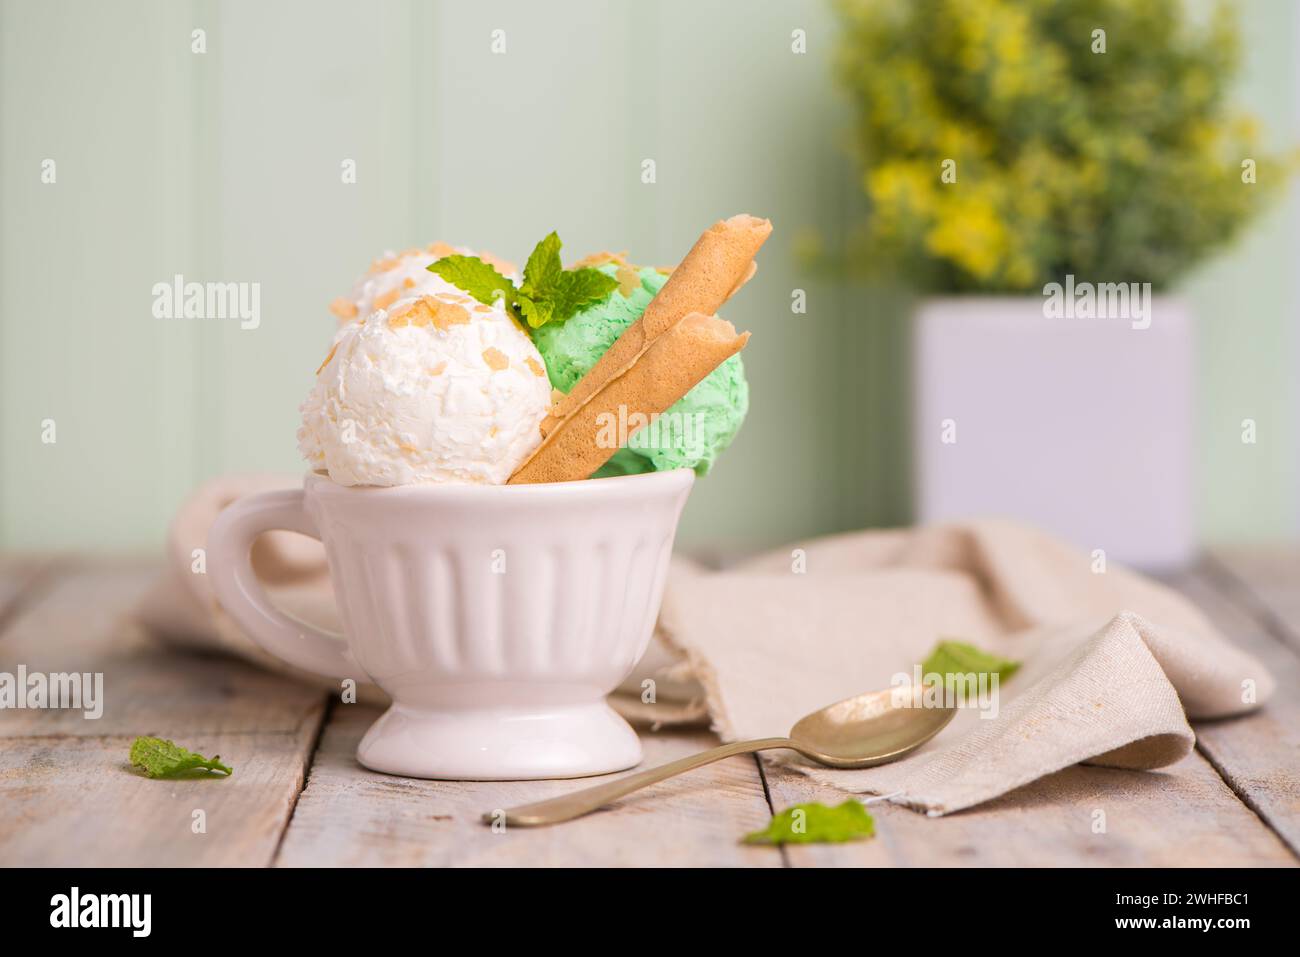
[817, 824]
[957, 657]
[579, 288]
[159, 758]
[543, 268]
[548, 293]
[474, 276]
[536, 313]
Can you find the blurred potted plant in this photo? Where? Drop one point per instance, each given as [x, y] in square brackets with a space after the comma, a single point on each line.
[1033, 169]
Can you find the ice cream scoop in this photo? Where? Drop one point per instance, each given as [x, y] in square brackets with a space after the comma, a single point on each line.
[433, 388]
[395, 276]
[706, 419]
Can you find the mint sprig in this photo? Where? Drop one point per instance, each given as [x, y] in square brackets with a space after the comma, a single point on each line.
[817, 824]
[475, 277]
[159, 758]
[950, 658]
[548, 293]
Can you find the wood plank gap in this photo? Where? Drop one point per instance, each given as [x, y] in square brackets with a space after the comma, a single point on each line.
[130, 736]
[767, 795]
[1236, 591]
[1244, 796]
[308, 762]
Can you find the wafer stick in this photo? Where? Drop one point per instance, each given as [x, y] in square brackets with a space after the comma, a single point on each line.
[749, 274]
[603, 258]
[719, 263]
[661, 374]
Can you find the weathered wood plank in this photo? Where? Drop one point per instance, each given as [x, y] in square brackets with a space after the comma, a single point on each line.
[69, 797]
[1181, 816]
[1265, 581]
[69, 794]
[353, 817]
[1257, 754]
[77, 802]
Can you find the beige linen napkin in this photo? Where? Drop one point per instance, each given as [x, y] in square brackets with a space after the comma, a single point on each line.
[1111, 660]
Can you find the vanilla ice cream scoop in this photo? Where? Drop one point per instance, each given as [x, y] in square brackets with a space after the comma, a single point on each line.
[395, 276]
[434, 388]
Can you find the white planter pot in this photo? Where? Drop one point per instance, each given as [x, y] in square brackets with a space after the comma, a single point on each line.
[1083, 427]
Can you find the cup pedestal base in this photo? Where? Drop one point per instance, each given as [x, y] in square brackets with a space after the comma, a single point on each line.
[500, 744]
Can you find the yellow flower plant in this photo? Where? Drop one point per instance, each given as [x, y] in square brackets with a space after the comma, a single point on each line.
[1006, 143]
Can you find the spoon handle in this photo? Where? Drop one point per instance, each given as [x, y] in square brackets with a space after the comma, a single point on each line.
[568, 806]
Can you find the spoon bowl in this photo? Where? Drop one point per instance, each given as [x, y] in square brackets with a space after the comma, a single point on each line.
[868, 729]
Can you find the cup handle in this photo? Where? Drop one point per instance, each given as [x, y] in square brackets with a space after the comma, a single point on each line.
[230, 553]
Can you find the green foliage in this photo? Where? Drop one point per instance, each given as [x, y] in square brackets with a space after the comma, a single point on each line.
[1119, 166]
[549, 291]
[474, 276]
[160, 758]
[961, 658]
[817, 824]
[552, 292]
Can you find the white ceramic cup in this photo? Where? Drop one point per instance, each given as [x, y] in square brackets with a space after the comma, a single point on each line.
[497, 617]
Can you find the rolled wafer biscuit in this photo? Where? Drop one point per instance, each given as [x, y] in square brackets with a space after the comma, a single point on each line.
[603, 258]
[664, 372]
[749, 274]
[719, 263]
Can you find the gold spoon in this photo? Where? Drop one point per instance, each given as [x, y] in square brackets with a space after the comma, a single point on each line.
[871, 729]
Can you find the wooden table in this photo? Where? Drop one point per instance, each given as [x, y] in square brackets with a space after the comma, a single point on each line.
[298, 797]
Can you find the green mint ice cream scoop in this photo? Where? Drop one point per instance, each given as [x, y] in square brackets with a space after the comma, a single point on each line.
[695, 430]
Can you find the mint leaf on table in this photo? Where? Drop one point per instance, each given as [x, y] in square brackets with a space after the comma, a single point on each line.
[474, 276]
[817, 824]
[159, 758]
[960, 658]
[548, 293]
